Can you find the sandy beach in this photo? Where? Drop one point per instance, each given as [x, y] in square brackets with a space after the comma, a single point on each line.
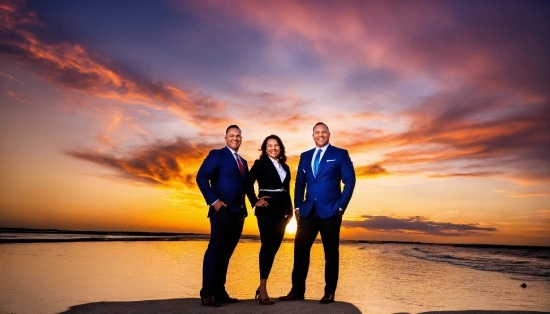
[192, 305]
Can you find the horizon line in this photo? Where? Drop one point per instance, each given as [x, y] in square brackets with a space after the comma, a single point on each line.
[173, 236]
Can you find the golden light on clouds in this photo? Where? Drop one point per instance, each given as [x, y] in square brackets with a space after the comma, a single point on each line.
[425, 98]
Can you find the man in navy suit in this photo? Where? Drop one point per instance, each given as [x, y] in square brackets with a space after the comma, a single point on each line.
[221, 180]
[319, 203]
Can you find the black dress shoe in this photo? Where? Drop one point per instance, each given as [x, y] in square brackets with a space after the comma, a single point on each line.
[225, 298]
[210, 301]
[291, 296]
[327, 298]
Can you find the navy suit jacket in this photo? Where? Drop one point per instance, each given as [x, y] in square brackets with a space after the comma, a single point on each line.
[324, 190]
[219, 178]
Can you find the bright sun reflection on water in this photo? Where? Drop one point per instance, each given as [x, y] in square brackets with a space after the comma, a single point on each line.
[291, 226]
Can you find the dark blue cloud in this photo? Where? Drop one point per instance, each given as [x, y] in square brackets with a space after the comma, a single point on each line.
[415, 224]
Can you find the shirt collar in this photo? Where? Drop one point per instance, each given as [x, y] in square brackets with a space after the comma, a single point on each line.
[323, 149]
[234, 152]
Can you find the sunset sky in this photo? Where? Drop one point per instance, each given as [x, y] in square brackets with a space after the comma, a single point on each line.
[107, 109]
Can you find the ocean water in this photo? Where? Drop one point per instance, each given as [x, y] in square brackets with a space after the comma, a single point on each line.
[376, 278]
[525, 263]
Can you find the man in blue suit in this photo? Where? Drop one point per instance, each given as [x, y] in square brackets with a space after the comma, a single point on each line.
[321, 171]
[221, 180]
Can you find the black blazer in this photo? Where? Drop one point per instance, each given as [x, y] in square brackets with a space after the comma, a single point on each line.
[266, 174]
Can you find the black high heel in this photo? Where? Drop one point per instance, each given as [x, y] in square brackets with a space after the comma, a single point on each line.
[267, 301]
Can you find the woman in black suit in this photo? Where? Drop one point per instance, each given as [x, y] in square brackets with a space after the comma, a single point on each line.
[273, 205]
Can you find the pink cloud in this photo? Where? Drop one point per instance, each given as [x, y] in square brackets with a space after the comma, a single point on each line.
[73, 67]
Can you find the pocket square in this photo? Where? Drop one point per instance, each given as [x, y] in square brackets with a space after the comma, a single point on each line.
[331, 160]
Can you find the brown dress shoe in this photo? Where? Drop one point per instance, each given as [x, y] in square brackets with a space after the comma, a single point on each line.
[291, 296]
[327, 298]
[210, 301]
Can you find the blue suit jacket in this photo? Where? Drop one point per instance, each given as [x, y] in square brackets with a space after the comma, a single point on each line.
[219, 178]
[324, 190]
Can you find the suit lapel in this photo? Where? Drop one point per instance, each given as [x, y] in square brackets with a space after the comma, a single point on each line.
[231, 157]
[287, 178]
[308, 156]
[274, 171]
[323, 160]
[245, 164]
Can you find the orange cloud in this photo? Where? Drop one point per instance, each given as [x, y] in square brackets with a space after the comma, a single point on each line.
[525, 194]
[370, 171]
[448, 142]
[461, 131]
[170, 164]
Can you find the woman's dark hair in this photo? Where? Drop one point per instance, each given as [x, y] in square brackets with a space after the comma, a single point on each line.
[263, 149]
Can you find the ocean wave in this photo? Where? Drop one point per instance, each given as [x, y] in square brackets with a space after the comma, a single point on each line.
[523, 262]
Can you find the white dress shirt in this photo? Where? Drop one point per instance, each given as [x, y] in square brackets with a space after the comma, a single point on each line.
[280, 170]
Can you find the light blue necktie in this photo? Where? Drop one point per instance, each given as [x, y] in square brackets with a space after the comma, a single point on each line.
[316, 162]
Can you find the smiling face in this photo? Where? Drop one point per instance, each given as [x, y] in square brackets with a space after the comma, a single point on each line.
[321, 135]
[233, 139]
[272, 148]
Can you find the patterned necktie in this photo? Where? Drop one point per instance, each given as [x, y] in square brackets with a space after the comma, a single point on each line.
[316, 162]
[240, 163]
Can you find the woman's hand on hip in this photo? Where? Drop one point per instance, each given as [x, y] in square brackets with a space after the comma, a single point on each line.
[262, 202]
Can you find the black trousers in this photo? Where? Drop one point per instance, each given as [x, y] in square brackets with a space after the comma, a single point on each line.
[308, 229]
[226, 228]
[272, 225]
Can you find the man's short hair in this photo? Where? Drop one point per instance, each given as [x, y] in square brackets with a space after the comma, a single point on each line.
[233, 126]
[320, 123]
